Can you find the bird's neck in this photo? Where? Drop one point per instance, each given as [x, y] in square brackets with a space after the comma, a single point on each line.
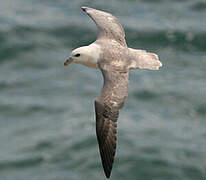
[94, 55]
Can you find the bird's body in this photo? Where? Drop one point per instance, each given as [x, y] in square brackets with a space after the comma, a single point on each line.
[110, 54]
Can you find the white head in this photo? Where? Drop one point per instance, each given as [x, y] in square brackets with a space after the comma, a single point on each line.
[86, 55]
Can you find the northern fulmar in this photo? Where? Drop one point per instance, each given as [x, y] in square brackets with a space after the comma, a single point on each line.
[110, 54]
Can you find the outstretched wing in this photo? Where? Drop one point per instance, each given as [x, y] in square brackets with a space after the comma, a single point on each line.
[108, 25]
[107, 105]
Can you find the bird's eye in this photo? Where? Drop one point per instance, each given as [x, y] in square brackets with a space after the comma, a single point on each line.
[77, 55]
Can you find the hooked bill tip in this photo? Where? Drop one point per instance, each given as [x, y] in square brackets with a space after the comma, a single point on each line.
[68, 61]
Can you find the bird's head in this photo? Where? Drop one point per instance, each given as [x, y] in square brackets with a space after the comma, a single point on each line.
[81, 55]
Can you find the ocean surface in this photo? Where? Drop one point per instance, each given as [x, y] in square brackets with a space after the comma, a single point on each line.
[47, 125]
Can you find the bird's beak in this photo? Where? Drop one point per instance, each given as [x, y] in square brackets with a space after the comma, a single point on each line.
[68, 61]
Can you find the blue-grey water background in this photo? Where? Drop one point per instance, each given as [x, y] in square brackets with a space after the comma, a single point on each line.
[47, 125]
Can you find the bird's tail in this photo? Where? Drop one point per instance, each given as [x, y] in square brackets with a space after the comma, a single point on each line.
[141, 59]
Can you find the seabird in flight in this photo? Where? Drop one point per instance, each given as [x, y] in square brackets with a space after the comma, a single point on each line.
[110, 54]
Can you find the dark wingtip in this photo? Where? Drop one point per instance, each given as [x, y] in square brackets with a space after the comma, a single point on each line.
[107, 170]
[84, 8]
[108, 174]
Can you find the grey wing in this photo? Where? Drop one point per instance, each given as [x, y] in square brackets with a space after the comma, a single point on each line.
[107, 105]
[108, 25]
